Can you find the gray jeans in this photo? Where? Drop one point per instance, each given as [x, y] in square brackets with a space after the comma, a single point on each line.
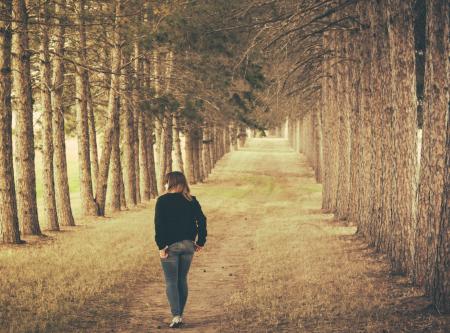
[176, 267]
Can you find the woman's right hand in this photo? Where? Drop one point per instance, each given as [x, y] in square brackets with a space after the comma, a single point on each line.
[198, 248]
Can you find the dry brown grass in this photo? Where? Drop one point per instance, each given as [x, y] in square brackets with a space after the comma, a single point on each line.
[75, 279]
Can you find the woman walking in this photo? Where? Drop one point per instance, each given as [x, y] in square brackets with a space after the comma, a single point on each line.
[178, 221]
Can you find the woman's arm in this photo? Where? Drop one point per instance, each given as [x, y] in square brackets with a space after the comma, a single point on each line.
[159, 226]
[201, 223]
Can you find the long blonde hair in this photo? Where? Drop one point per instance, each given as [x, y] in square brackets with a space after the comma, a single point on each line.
[176, 182]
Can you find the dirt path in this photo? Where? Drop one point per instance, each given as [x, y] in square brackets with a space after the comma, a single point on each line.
[231, 207]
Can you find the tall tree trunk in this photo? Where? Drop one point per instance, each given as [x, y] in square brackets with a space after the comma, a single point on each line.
[152, 81]
[432, 263]
[151, 158]
[128, 139]
[145, 176]
[296, 135]
[112, 111]
[165, 150]
[189, 162]
[343, 189]
[404, 150]
[195, 155]
[136, 154]
[92, 134]
[47, 143]
[318, 145]
[63, 205]
[380, 215]
[202, 171]
[115, 187]
[439, 285]
[212, 148]
[137, 76]
[365, 184]
[9, 223]
[158, 119]
[242, 136]
[227, 139]
[26, 176]
[355, 121]
[143, 131]
[325, 125]
[177, 143]
[81, 90]
[234, 136]
[157, 128]
[206, 147]
[220, 142]
[333, 118]
[166, 142]
[123, 201]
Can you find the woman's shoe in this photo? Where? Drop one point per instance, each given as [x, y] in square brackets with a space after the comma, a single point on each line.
[177, 321]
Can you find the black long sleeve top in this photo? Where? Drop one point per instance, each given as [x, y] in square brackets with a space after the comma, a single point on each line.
[177, 219]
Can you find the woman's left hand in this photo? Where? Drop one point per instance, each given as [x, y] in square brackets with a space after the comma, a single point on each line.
[163, 254]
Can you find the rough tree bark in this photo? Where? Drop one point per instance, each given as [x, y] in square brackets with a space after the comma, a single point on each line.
[63, 204]
[165, 141]
[212, 147]
[158, 119]
[432, 268]
[404, 150]
[355, 120]
[137, 77]
[143, 132]
[92, 134]
[324, 91]
[115, 186]
[318, 145]
[24, 157]
[9, 223]
[189, 162]
[343, 79]
[112, 110]
[151, 157]
[128, 138]
[234, 136]
[242, 136]
[177, 143]
[84, 160]
[334, 124]
[145, 176]
[381, 128]
[199, 156]
[47, 142]
[365, 166]
[206, 150]
[195, 153]
[227, 139]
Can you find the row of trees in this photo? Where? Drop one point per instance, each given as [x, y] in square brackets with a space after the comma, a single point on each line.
[134, 74]
[358, 81]
[362, 134]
